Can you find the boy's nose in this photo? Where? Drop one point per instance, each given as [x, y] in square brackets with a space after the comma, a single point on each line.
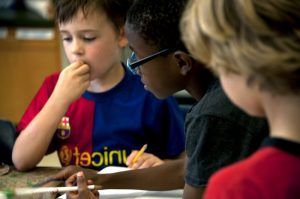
[77, 47]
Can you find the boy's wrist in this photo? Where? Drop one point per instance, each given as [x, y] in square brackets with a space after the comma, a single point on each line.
[102, 180]
[60, 102]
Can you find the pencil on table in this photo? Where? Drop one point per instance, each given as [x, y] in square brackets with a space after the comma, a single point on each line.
[141, 151]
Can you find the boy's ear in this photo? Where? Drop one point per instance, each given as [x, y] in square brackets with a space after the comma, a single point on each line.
[184, 61]
[123, 41]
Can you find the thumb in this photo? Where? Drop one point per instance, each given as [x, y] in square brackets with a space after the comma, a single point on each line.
[81, 181]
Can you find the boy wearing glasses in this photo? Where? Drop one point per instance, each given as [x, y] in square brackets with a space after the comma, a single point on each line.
[217, 132]
[95, 112]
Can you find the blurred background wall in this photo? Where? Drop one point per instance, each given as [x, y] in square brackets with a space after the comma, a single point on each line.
[29, 50]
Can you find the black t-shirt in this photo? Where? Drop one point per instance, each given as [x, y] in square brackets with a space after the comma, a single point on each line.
[217, 134]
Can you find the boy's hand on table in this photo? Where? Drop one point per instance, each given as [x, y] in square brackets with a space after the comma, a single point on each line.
[72, 82]
[83, 191]
[146, 160]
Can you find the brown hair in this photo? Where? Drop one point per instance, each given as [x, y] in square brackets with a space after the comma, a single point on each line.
[115, 10]
[256, 38]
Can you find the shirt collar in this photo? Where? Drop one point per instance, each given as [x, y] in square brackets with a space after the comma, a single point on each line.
[283, 144]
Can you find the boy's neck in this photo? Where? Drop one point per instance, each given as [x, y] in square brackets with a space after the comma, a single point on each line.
[283, 117]
[198, 82]
[106, 83]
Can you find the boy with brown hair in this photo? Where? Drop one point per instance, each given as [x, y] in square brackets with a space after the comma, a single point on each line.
[95, 112]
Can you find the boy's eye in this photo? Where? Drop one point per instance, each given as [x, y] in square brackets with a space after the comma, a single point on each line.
[67, 38]
[89, 38]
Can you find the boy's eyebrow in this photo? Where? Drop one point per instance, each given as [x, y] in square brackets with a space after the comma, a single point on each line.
[63, 31]
[80, 31]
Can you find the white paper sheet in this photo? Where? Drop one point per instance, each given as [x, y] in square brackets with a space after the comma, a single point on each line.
[113, 169]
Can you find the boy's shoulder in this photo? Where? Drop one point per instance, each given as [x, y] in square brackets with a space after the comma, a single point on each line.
[52, 77]
[215, 103]
[50, 81]
[257, 169]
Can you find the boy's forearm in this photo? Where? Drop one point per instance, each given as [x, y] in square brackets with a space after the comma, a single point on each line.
[34, 140]
[164, 177]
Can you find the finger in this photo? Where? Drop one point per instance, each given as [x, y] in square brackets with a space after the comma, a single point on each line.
[71, 180]
[81, 181]
[61, 175]
[139, 162]
[90, 182]
[158, 163]
[147, 164]
[85, 77]
[83, 69]
[94, 191]
[71, 170]
[75, 65]
[72, 194]
[151, 161]
[64, 174]
[83, 190]
[131, 157]
[147, 160]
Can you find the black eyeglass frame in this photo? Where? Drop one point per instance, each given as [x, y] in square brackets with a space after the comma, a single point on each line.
[138, 63]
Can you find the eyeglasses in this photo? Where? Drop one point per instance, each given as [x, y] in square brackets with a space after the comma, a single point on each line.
[133, 64]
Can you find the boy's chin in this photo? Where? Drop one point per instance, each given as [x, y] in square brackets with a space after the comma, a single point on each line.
[158, 95]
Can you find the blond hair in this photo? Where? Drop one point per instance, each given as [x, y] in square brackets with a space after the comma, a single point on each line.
[256, 38]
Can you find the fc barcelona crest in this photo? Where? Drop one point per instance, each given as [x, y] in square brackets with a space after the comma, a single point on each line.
[64, 128]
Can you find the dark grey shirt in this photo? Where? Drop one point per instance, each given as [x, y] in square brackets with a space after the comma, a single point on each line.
[218, 134]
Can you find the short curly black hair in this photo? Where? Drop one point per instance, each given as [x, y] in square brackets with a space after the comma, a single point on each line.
[157, 22]
[116, 10]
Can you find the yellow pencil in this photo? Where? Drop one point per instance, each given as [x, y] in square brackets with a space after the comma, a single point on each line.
[141, 151]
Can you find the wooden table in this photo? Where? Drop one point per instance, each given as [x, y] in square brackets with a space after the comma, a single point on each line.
[16, 179]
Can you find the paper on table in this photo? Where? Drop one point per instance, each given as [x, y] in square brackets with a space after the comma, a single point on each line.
[113, 169]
